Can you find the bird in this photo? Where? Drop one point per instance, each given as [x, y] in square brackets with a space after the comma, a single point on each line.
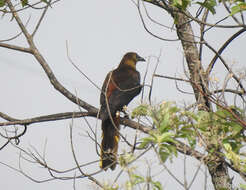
[120, 86]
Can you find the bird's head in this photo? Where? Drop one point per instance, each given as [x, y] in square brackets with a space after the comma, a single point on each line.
[131, 59]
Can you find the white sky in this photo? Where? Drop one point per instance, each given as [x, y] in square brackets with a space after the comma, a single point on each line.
[99, 33]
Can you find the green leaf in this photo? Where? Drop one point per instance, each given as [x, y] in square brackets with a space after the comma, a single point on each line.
[24, 3]
[165, 123]
[141, 110]
[243, 186]
[182, 4]
[236, 128]
[174, 109]
[172, 149]
[190, 114]
[209, 4]
[237, 8]
[163, 155]
[137, 179]
[157, 185]
[146, 141]
[166, 137]
[2, 3]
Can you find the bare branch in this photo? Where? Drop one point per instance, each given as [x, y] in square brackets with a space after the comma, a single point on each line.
[219, 52]
[17, 35]
[146, 28]
[41, 18]
[78, 69]
[172, 78]
[202, 28]
[152, 79]
[77, 163]
[14, 47]
[53, 117]
[224, 63]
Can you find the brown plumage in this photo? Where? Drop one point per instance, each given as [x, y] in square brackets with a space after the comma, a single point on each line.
[120, 87]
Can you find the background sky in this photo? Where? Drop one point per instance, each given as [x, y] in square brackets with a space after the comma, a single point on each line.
[99, 33]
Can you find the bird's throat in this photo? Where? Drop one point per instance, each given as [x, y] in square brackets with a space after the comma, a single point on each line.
[131, 63]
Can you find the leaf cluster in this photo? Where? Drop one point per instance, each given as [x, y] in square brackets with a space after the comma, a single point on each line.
[236, 5]
[214, 131]
[142, 180]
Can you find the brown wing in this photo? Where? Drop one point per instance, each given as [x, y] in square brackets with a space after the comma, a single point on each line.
[108, 88]
[123, 86]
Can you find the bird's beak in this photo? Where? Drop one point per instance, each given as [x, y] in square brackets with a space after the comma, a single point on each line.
[140, 58]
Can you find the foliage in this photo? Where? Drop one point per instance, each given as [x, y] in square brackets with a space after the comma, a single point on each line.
[135, 179]
[243, 187]
[2, 3]
[217, 130]
[23, 2]
[181, 4]
[210, 5]
[237, 5]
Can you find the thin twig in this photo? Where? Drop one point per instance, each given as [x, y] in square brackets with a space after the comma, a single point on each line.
[218, 55]
[223, 47]
[152, 79]
[41, 18]
[77, 163]
[78, 69]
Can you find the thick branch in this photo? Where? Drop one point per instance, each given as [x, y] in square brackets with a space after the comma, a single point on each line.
[185, 33]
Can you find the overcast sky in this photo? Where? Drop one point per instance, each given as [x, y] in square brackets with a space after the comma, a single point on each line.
[99, 33]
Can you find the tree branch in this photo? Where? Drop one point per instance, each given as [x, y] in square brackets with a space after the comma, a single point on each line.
[46, 118]
[14, 47]
[223, 47]
[57, 85]
[41, 18]
[217, 55]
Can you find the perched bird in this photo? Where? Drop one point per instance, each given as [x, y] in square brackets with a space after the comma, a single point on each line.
[119, 88]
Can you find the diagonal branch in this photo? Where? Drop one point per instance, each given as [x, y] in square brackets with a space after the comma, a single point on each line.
[217, 55]
[234, 36]
[57, 85]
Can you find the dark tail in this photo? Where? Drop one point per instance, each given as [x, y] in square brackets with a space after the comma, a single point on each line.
[109, 145]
